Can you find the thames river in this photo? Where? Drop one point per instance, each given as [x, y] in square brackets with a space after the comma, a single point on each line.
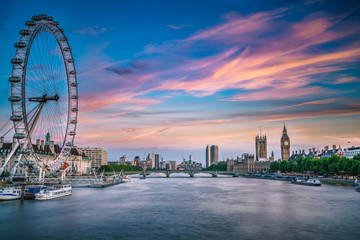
[189, 208]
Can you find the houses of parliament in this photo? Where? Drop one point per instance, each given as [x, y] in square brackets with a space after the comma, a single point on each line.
[261, 147]
[260, 162]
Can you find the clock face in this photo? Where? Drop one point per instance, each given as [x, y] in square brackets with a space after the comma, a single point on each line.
[286, 143]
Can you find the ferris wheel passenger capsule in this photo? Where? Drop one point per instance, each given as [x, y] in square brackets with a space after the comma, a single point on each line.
[72, 72]
[66, 49]
[49, 18]
[36, 18]
[63, 39]
[55, 23]
[73, 84]
[16, 118]
[14, 79]
[72, 133]
[75, 109]
[20, 45]
[73, 121]
[30, 23]
[14, 99]
[19, 135]
[70, 60]
[74, 97]
[25, 32]
[43, 16]
[68, 144]
[17, 61]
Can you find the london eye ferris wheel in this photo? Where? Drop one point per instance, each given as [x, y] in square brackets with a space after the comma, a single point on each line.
[44, 94]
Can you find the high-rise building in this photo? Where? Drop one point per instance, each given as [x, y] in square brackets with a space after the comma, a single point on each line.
[97, 155]
[191, 159]
[173, 165]
[207, 156]
[157, 161]
[122, 159]
[137, 161]
[214, 154]
[285, 145]
[149, 160]
[260, 146]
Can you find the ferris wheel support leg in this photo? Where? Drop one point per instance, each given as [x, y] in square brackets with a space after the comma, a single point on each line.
[63, 176]
[13, 170]
[8, 157]
[40, 174]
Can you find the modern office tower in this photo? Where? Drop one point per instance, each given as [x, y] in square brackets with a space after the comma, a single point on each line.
[191, 159]
[207, 156]
[149, 160]
[260, 146]
[285, 145]
[214, 154]
[157, 161]
[97, 155]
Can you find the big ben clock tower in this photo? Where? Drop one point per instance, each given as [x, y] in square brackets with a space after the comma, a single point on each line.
[285, 145]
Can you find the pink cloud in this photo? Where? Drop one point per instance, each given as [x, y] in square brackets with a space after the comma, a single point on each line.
[272, 94]
[173, 27]
[346, 80]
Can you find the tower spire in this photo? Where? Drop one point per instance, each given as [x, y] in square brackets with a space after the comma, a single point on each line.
[284, 128]
[260, 131]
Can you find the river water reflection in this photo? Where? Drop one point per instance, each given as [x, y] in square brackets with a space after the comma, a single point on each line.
[189, 208]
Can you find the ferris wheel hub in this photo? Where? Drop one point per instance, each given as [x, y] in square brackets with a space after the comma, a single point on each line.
[44, 98]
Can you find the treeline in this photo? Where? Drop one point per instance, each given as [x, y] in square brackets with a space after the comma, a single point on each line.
[118, 168]
[332, 165]
[221, 166]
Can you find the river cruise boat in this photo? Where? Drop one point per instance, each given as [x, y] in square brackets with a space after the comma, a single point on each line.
[307, 182]
[56, 191]
[110, 181]
[10, 192]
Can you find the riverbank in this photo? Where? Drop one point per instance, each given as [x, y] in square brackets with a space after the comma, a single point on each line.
[339, 182]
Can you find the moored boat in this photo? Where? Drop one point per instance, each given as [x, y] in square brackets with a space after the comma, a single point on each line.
[55, 191]
[307, 182]
[31, 191]
[111, 181]
[10, 192]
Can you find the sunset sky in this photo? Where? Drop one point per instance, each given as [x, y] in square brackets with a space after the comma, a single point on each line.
[170, 77]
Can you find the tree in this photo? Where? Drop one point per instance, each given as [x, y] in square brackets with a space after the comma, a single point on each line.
[283, 165]
[220, 166]
[274, 166]
[290, 166]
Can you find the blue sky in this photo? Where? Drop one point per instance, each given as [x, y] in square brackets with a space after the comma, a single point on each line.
[173, 76]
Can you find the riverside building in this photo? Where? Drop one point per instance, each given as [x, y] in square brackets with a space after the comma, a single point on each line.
[97, 155]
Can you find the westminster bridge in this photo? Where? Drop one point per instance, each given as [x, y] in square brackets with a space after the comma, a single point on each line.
[88, 179]
[191, 173]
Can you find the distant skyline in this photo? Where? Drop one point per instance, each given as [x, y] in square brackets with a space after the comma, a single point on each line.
[170, 77]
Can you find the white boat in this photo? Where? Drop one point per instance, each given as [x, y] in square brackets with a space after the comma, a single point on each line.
[313, 182]
[55, 191]
[10, 192]
[107, 182]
